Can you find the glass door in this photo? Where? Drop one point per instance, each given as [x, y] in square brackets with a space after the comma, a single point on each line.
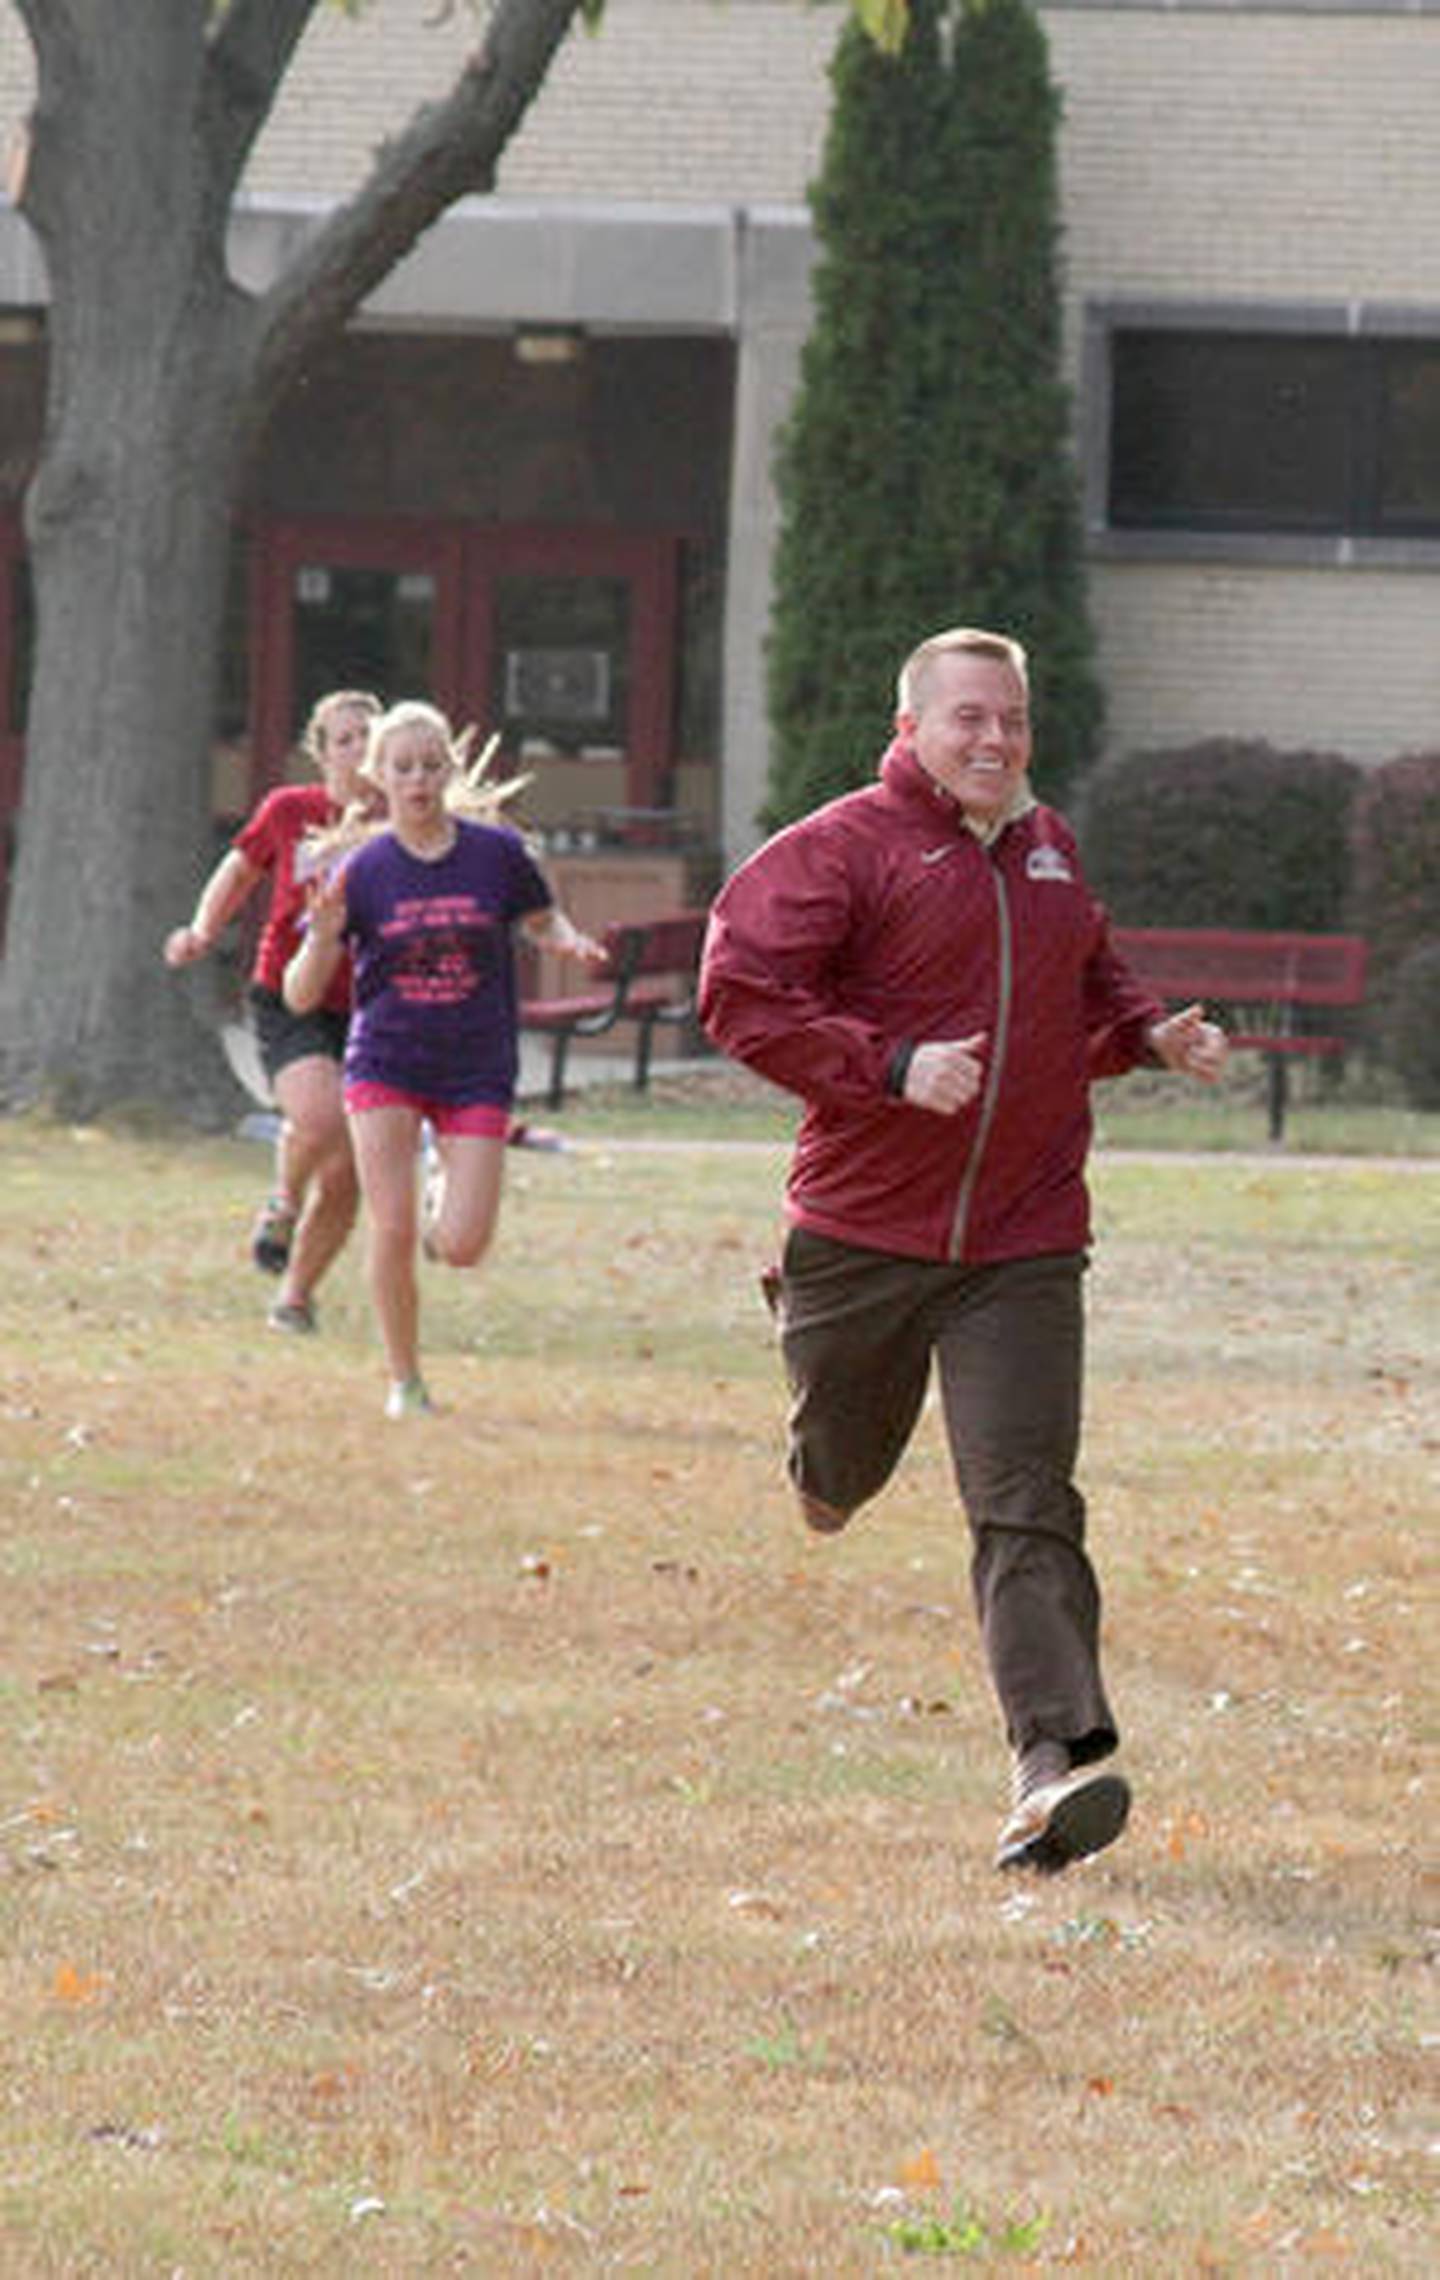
[570, 654]
[562, 638]
[349, 606]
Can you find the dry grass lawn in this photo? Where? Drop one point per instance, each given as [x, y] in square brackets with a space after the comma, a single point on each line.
[505, 1844]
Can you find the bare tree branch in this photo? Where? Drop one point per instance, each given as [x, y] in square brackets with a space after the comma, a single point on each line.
[449, 148]
[249, 56]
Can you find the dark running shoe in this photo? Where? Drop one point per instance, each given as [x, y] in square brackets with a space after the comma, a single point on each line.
[271, 1236]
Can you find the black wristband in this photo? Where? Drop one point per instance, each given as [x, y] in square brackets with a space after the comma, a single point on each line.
[899, 1068]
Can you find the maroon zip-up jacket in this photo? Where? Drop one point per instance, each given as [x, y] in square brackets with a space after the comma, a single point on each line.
[880, 922]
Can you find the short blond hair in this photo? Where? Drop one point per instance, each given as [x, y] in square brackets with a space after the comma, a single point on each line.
[412, 713]
[961, 640]
[316, 733]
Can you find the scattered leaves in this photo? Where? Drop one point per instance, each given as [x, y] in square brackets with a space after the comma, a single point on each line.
[76, 1989]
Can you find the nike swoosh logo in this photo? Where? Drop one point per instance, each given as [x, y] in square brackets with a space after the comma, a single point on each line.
[937, 854]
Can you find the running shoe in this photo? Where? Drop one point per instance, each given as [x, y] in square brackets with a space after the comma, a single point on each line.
[271, 1235]
[295, 1315]
[407, 1398]
[1064, 1821]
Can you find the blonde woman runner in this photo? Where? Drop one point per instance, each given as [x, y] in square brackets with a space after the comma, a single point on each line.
[426, 908]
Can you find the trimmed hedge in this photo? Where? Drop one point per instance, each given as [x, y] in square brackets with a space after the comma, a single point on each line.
[1412, 1025]
[1228, 832]
[1395, 866]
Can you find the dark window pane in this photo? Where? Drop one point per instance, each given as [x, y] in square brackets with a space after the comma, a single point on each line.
[1409, 443]
[1225, 431]
[361, 629]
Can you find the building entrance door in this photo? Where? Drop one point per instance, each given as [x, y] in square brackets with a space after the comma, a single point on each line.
[570, 654]
[340, 605]
[562, 639]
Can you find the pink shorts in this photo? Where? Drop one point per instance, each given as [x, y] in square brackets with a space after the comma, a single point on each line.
[476, 1117]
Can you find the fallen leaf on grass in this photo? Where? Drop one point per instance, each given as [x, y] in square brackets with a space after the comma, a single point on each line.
[76, 1988]
[1181, 1830]
[44, 1811]
[922, 2171]
[755, 1904]
[332, 2082]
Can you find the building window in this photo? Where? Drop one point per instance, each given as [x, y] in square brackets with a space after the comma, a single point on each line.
[1285, 432]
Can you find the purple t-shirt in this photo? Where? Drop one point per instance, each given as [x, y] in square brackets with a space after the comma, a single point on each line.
[435, 1012]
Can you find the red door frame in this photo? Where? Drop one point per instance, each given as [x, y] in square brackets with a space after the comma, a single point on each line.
[280, 547]
[465, 560]
[650, 563]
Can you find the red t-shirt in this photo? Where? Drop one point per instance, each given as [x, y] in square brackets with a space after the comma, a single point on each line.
[269, 841]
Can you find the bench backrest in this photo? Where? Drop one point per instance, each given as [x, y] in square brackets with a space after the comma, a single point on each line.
[1246, 968]
[669, 945]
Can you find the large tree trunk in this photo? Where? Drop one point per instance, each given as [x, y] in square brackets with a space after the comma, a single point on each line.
[129, 561]
[160, 373]
[127, 521]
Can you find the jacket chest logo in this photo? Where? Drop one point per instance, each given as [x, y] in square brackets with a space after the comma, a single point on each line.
[1048, 863]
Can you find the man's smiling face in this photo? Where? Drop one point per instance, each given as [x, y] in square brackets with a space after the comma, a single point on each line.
[971, 730]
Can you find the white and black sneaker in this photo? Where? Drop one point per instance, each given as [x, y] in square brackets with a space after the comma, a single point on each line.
[1063, 1821]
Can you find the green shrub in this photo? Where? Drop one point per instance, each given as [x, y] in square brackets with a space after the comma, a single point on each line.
[1227, 832]
[1395, 869]
[1412, 1026]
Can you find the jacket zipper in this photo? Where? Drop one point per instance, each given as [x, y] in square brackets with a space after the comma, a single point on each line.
[994, 1062]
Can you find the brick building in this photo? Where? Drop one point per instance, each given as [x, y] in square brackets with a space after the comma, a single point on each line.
[535, 476]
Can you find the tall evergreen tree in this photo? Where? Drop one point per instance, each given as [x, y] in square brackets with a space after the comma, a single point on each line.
[849, 585]
[1005, 479]
[925, 476]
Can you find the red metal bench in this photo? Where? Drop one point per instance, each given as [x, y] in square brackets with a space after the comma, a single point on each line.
[649, 981]
[1259, 979]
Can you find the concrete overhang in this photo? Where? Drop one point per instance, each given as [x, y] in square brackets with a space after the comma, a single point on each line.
[497, 262]
[494, 263]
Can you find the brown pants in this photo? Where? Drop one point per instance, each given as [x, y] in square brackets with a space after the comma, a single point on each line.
[858, 1332]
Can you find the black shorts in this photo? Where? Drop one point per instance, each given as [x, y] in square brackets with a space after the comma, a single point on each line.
[283, 1036]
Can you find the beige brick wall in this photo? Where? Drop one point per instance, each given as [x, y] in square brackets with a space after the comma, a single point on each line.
[671, 100]
[1328, 660]
[1248, 155]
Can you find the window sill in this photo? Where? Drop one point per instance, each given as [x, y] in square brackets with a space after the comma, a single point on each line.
[1279, 550]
